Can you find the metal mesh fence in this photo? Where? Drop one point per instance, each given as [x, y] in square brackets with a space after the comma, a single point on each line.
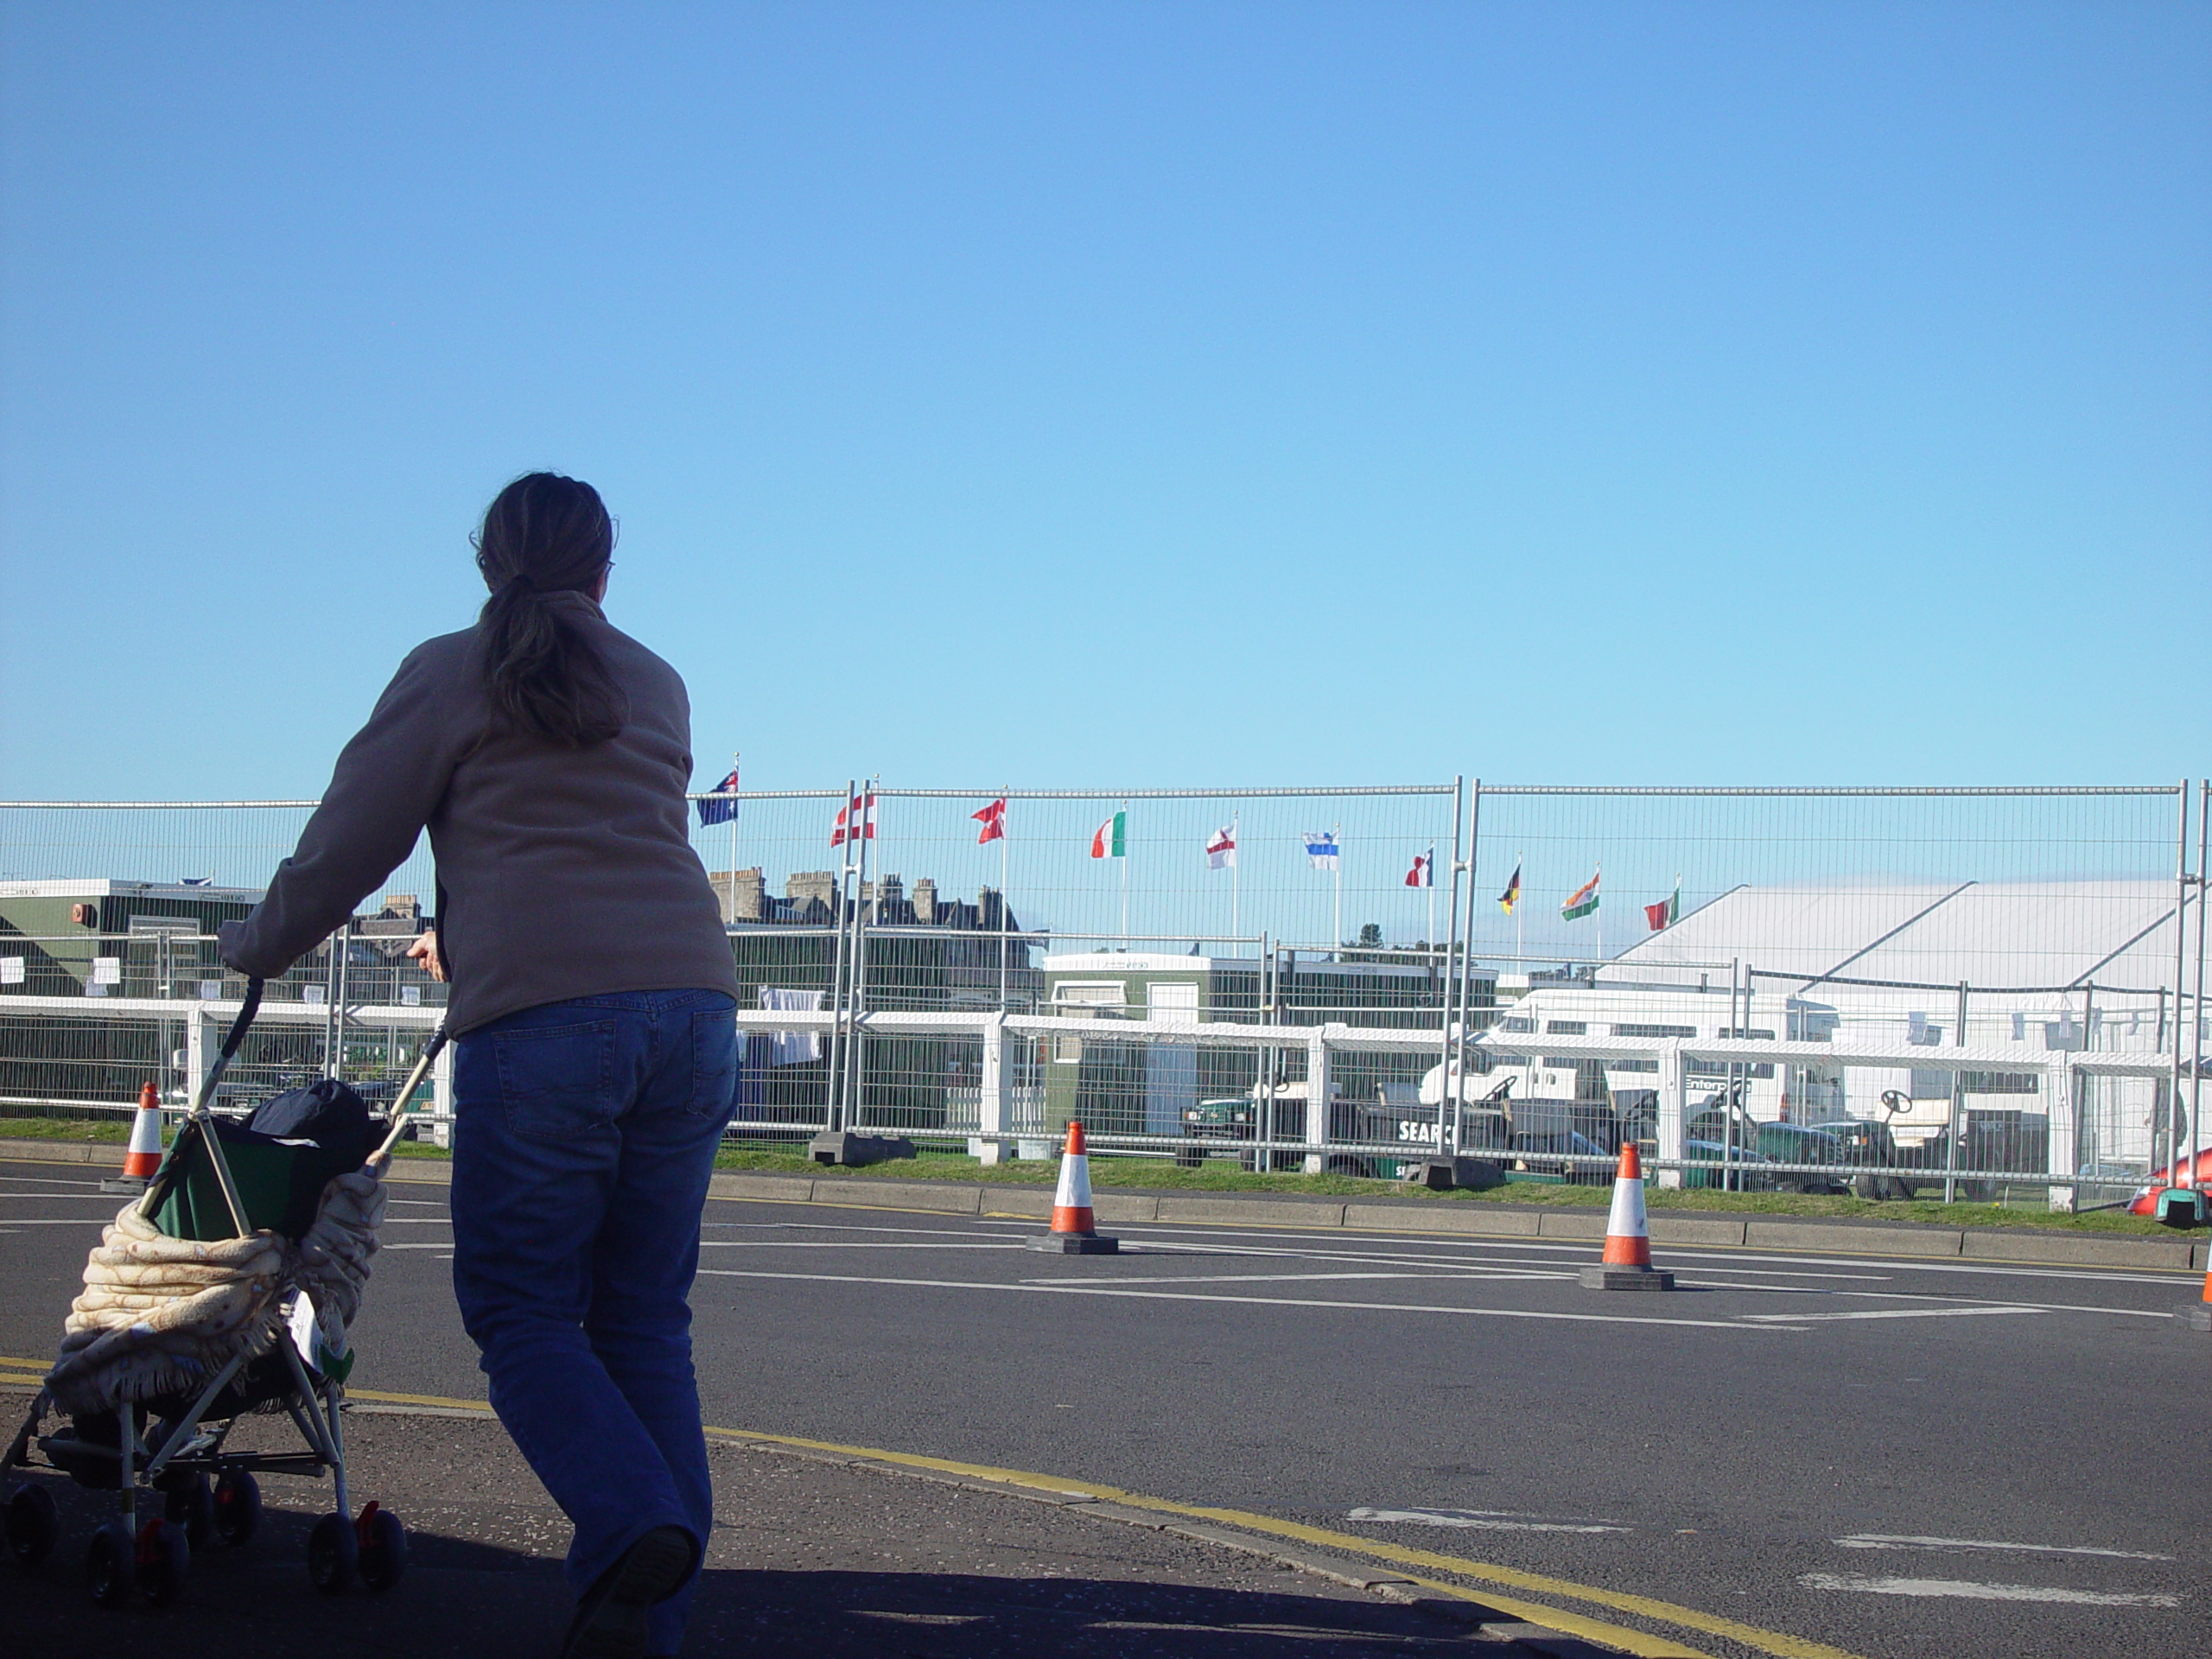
[1863, 989]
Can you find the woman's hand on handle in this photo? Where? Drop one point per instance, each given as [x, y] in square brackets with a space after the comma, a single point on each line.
[424, 950]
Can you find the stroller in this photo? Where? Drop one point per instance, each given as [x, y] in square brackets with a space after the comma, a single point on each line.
[224, 1291]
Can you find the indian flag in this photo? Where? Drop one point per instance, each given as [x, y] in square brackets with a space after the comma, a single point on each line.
[1583, 902]
[1111, 838]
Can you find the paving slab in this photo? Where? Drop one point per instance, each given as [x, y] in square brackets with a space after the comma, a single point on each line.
[1469, 1220]
[1851, 1237]
[951, 1197]
[2085, 1249]
[811, 1556]
[1236, 1210]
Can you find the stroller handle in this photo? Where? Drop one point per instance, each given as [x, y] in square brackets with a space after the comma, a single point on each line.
[234, 1039]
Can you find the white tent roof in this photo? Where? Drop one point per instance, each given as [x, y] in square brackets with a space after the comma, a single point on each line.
[1996, 935]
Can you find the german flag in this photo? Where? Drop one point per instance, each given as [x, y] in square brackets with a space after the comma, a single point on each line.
[1511, 896]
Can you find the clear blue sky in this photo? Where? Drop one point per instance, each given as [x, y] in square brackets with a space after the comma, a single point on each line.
[1125, 394]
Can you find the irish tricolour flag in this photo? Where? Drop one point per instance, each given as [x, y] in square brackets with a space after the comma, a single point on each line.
[1583, 902]
[1111, 838]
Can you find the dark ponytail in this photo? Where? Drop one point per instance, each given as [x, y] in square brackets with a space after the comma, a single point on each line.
[542, 535]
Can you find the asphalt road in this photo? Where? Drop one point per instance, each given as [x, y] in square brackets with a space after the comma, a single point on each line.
[1891, 1457]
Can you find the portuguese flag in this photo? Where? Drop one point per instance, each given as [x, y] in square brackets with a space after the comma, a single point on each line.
[1583, 902]
[1111, 838]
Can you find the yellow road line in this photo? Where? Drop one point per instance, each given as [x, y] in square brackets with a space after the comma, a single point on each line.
[1645, 1646]
[1777, 1643]
[382, 1398]
[17, 1359]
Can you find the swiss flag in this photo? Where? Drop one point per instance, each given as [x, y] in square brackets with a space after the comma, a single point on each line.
[993, 818]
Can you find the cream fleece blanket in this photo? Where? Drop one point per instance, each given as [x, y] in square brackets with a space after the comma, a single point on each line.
[161, 1315]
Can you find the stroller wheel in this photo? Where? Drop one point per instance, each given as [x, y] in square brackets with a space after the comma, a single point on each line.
[164, 1559]
[236, 1507]
[333, 1553]
[111, 1561]
[34, 1527]
[191, 1506]
[383, 1543]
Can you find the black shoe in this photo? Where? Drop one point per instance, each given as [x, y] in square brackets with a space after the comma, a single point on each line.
[610, 1621]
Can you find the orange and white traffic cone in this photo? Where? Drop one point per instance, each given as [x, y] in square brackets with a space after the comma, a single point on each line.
[143, 1156]
[1626, 1264]
[2197, 1316]
[1074, 1231]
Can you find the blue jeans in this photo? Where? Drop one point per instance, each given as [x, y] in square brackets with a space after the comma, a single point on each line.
[584, 1134]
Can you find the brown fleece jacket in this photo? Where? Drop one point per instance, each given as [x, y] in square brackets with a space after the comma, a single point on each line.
[561, 872]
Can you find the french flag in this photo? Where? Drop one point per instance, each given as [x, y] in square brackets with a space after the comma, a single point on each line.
[1423, 874]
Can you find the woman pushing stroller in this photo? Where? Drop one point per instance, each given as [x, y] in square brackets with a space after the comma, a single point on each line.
[592, 1000]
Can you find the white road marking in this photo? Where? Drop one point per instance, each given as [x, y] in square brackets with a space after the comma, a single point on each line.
[1905, 1540]
[1898, 1313]
[1676, 1254]
[1265, 1278]
[1973, 1591]
[1477, 1520]
[1260, 1301]
[72, 1221]
[446, 1246]
[843, 1244]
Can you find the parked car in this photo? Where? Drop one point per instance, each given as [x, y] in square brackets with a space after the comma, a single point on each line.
[2145, 1200]
[1745, 1173]
[1724, 1123]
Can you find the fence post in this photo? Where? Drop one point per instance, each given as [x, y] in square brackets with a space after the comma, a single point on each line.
[1317, 1099]
[2063, 1158]
[994, 1113]
[441, 1097]
[199, 1028]
[1674, 1102]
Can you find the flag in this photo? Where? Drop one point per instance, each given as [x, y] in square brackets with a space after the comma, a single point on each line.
[1423, 874]
[856, 821]
[1582, 902]
[1111, 838]
[993, 818]
[1663, 913]
[1321, 851]
[1221, 851]
[195, 881]
[723, 810]
[1511, 896]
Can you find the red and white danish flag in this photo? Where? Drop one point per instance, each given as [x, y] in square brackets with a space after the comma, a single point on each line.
[993, 818]
[856, 821]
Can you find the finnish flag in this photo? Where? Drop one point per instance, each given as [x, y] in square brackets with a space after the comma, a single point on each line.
[1321, 851]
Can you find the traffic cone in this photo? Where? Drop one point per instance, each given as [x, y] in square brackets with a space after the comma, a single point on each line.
[143, 1156]
[2197, 1316]
[1626, 1264]
[1074, 1232]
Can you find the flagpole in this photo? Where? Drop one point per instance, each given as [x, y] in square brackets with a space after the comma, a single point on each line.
[1235, 880]
[1004, 926]
[1597, 912]
[1336, 870]
[1428, 878]
[1520, 863]
[735, 760]
[1125, 878]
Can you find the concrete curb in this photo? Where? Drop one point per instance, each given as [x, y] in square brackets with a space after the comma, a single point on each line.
[1409, 1216]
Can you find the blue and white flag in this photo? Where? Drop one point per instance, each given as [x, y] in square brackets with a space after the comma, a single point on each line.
[1321, 851]
[722, 809]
